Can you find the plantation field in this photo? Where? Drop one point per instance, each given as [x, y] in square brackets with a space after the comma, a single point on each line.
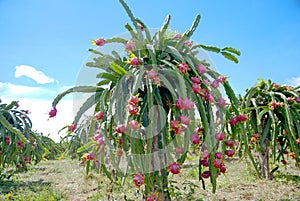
[65, 180]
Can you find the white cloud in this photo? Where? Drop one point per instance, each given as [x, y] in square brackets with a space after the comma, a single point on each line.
[34, 74]
[14, 91]
[294, 81]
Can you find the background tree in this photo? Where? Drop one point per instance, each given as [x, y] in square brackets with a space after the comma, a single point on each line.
[273, 125]
[19, 145]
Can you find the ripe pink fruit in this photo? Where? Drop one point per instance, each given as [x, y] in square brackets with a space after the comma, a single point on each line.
[229, 153]
[133, 109]
[72, 127]
[217, 163]
[177, 36]
[7, 139]
[88, 156]
[256, 135]
[233, 121]
[183, 67]
[289, 99]
[184, 120]
[218, 155]
[134, 124]
[292, 155]
[204, 163]
[223, 169]
[298, 99]
[209, 97]
[230, 143]
[151, 74]
[242, 118]
[205, 174]
[207, 83]
[133, 100]
[52, 112]
[221, 78]
[253, 139]
[201, 68]
[138, 179]
[121, 128]
[120, 142]
[275, 86]
[141, 27]
[152, 197]
[196, 88]
[99, 42]
[298, 141]
[188, 43]
[179, 150]
[135, 61]
[215, 84]
[130, 45]
[184, 103]
[99, 115]
[219, 136]
[174, 168]
[205, 155]
[195, 80]
[221, 102]
[195, 139]
[174, 124]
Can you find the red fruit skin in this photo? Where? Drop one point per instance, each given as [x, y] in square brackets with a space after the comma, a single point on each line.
[219, 136]
[218, 155]
[256, 135]
[242, 118]
[223, 169]
[233, 121]
[284, 162]
[298, 141]
[99, 115]
[217, 163]
[205, 174]
[229, 153]
[135, 61]
[230, 143]
[292, 155]
[132, 109]
[204, 163]
[253, 139]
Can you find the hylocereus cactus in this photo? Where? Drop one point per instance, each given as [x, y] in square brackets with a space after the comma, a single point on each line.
[272, 125]
[19, 145]
[151, 105]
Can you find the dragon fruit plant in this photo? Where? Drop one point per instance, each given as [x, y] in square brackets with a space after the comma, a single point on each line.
[19, 145]
[272, 125]
[152, 106]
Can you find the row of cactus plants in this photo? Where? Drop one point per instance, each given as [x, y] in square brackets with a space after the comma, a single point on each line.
[273, 126]
[19, 145]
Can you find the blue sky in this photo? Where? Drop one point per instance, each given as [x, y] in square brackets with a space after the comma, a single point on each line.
[53, 37]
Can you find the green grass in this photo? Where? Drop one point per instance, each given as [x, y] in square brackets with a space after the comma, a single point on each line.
[65, 180]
